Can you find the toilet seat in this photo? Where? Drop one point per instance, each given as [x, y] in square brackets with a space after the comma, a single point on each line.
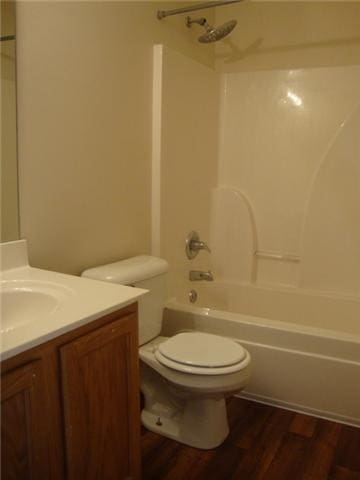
[202, 354]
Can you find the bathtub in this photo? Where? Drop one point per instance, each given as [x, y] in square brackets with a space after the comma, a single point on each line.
[305, 347]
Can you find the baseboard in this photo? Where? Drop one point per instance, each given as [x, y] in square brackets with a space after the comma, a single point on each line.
[275, 402]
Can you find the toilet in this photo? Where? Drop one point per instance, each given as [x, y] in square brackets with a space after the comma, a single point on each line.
[184, 378]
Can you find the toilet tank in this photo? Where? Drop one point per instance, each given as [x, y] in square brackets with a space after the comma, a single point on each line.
[145, 272]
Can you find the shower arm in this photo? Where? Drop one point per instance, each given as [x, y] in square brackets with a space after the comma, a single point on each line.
[166, 13]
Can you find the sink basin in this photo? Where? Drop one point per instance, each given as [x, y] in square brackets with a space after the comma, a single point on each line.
[26, 301]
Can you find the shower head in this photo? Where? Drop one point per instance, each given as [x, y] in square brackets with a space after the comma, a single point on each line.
[212, 34]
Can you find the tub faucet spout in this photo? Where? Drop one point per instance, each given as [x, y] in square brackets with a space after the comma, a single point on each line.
[195, 275]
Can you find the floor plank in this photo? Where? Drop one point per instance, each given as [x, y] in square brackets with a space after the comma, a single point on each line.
[342, 473]
[321, 450]
[192, 461]
[223, 463]
[256, 460]
[288, 459]
[265, 443]
[303, 425]
[348, 450]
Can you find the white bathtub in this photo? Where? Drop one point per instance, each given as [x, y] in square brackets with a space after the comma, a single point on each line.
[305, 347]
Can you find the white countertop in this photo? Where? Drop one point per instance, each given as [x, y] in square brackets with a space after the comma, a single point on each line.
[82, 300]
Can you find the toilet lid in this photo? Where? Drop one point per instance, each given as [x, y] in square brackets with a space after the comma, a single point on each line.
[201, 350]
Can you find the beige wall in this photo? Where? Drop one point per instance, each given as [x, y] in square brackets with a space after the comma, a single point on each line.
[84, 113]
[289, 35]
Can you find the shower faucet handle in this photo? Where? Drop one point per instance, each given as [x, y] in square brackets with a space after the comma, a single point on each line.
[193, 244]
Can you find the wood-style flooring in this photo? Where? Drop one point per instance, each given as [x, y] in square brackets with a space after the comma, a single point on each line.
[264, 443]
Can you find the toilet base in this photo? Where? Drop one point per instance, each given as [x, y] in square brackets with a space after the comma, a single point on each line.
[199, 422]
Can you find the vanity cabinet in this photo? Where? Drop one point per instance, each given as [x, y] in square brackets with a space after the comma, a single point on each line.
[70, 407]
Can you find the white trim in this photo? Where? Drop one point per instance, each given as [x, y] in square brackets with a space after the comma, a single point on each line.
[294, 407]
[156, 150]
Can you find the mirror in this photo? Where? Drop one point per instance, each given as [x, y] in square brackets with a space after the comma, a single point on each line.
[9, 169]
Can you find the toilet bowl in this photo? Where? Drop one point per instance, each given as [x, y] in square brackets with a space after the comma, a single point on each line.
[184, 378]
[186, 406]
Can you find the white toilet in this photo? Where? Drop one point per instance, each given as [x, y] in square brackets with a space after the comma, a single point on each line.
[184, 378]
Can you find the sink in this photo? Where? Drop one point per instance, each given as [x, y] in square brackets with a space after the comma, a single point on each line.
[26, 301]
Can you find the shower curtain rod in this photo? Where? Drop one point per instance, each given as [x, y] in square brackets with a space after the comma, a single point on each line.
[166, 13]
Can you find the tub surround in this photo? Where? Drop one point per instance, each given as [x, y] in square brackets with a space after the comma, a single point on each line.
[288, 184]
[278, 191]
[75, 301]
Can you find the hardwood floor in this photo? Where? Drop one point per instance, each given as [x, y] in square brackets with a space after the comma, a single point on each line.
[265, 443]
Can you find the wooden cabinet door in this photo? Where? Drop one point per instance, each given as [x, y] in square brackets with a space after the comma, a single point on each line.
[24, 424]
[101, 403]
